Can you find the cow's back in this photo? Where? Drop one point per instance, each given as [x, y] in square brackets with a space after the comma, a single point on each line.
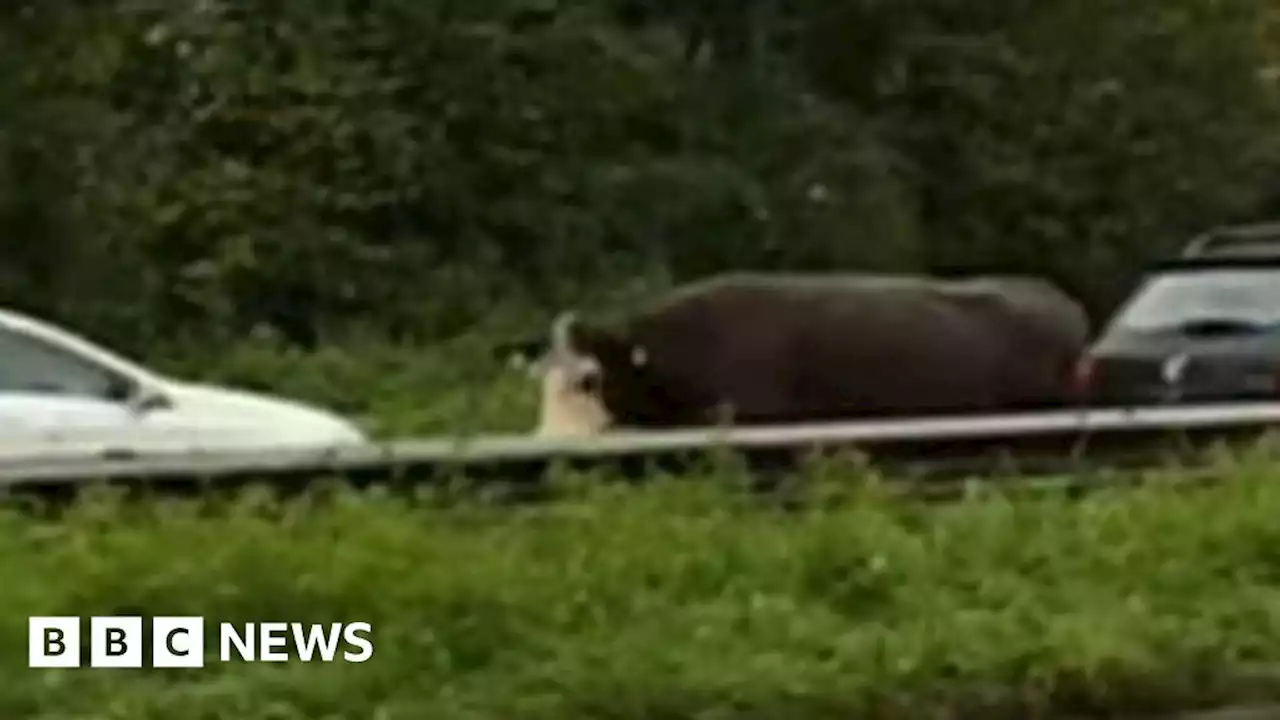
[1044, 330]
[795, 346]
[1035, 305]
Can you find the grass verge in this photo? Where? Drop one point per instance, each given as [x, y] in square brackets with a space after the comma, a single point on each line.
[678, 600]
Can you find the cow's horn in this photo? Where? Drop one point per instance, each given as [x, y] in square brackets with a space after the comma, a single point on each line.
[561, 328]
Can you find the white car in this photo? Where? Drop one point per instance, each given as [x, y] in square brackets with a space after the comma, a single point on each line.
[64, 396]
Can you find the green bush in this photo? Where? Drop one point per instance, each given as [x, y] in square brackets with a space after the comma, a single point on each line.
[1075, 139]
[409, 165]
[676, 601]
[175, 171]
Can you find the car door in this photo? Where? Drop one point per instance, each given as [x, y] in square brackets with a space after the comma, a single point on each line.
[53, 400]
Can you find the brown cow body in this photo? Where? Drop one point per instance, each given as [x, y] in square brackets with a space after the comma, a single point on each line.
[772, 348]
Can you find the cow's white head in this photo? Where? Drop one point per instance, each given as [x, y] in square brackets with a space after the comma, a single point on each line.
[572, 404]
[578, 367]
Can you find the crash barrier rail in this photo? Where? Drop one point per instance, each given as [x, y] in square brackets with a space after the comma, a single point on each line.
[1241, 712]
[932, 449]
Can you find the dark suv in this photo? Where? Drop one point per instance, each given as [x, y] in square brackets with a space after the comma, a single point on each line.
[1202, 327]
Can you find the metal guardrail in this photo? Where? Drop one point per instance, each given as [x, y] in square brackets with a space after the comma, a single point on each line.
[1242, 712]
[1058, 440]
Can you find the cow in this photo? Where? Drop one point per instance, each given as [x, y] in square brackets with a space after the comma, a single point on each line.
[762, 348]
[570, 404]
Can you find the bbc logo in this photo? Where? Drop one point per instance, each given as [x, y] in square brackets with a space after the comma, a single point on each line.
[179, 642]
[115, 642]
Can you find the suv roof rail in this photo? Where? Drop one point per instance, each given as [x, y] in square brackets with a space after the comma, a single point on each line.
[1252, 239]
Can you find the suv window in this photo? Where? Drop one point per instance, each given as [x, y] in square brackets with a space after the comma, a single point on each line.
[1248, 296]
[31, 365]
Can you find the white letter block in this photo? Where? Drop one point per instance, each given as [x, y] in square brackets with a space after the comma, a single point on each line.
[115, 642]
[53, 642]
[177, 642]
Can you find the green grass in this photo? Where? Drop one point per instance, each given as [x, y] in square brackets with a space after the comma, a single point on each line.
[454, 387]
[679, 600]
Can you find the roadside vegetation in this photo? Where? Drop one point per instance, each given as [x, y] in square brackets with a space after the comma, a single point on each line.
[342, 203]
[188, 172]
[678, 600]
[452, 387]
[347, 203]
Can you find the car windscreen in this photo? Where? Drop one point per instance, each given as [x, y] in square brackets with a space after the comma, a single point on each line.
[1211, 299]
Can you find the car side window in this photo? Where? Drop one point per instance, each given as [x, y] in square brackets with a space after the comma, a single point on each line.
[29, 365]
[1233, 294]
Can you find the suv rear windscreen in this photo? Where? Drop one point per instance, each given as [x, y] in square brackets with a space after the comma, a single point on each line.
[1241, 297]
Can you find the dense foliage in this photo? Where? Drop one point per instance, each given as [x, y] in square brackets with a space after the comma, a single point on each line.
[679, 600]
[175, 174]
[410, 167]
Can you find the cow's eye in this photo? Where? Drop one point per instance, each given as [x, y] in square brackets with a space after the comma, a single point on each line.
[589, 383]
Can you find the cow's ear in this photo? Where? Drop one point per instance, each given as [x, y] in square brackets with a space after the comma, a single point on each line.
[538, 367]
[526, 363]
[639, 356]
[518, 353]
[528, 360]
